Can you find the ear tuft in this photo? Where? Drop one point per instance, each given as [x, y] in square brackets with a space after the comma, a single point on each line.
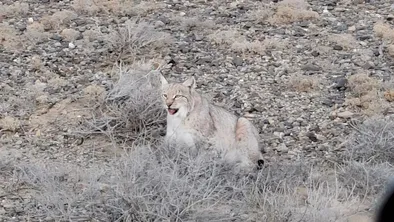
[191, 82]
[163, 80]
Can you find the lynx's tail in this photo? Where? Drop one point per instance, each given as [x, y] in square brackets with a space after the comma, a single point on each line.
[385, 212]
[246, 136]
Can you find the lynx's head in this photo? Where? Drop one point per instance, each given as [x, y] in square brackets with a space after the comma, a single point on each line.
[177, 97]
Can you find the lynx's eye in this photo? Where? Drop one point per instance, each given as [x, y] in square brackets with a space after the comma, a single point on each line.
[165, 95]
[177, 96]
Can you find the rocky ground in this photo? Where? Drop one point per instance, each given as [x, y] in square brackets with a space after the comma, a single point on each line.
[304, 72]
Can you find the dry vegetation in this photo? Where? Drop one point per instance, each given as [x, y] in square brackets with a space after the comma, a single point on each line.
[115, 7]
[127, 42]
[368, 94]
[346, 41]
[151, 181]
[386, 33]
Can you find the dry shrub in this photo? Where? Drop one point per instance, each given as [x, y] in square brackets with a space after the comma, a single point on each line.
[58, 19]
[347, 41]
[135, 37]
[9, 123]
[389, 95]
[384, 31]
[365, 179]
[289, 11]
[303, 83]
[247, 46]
[17, 8]
[390, 50]
[240, 44]
[261, 14]
[372, 141]
[94, 94]
[70, 34]
[10, 38]
[361, 84]
[133, 105]
[170, 184]
[35, 33]
[366, 93]
[116, 7]
[195, 23]
[225, 37]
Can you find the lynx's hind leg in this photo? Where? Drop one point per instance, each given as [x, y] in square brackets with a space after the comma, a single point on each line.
[246, 137]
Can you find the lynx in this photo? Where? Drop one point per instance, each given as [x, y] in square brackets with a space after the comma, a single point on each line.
[191, 119]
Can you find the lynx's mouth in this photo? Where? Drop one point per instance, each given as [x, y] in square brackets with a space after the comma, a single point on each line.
[172, 111]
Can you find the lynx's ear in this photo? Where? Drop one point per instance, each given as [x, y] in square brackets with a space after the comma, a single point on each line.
[191, 82]
[163, 80]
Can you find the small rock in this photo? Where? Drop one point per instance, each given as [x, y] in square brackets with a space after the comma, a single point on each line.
[312, 136]
[71, 45]
[238, 61]
[310, 67]
[345, 114]
[338, 47]
[30, 20]
[340, 83]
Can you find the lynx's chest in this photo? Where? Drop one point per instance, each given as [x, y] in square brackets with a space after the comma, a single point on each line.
[178, 133]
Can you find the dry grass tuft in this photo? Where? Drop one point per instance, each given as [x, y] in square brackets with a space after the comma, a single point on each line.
[58, 19]
[225, 37]
[115, 7]
[367, 93]
[35, 33]
[170, 184]
[9, 123]
[17, 8]
[130, 40]
[239, 43]
[70, 34]
[303, 83]
[261, 14]
[346, 41]
[289, 11]
[384, 31]
[365, 179]
[373, 141]
[361, 84]
[10, 38]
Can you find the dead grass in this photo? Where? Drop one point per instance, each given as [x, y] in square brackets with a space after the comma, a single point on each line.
[9, 123]
[58, 19]
[261, 14]
[303, 83]
[284, 12]
[367, 94]
[128, 41]
[70, 34]
[133, 105]
[346, 41]
[290, 11]
[384, 31]
[238, 43]
[361, 84]
[115, 7]
[15, 9]
[373, 141]
[10, 38]
[171, 184]
[35, 33]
